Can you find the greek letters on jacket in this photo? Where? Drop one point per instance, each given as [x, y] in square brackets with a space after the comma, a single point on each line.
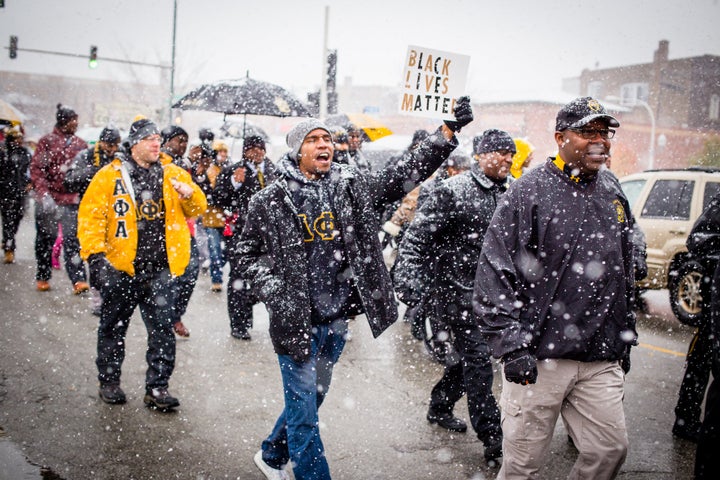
[108, 216]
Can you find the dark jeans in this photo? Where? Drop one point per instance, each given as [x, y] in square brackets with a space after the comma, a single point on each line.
[471, 373]
[296, 436]
[46, 225]
[695, 380]
[121, 293]
[185, 283]
[12, 211]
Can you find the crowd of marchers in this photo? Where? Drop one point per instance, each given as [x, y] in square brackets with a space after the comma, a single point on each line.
[535, 267]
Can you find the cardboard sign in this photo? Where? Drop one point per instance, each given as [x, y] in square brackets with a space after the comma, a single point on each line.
[432, 81]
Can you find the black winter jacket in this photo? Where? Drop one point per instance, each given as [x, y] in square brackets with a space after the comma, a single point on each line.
[236, 200]
[439, 253]
[704, 244]
[272, 256]
[556, 271]
[14, 171]
[83, 168]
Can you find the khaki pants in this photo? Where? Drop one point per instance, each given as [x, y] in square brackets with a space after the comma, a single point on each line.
[588, 395]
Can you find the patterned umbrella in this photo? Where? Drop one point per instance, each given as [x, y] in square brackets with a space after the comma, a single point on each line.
[244, 96]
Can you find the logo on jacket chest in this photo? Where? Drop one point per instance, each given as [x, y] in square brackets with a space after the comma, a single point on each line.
[322, 227]
[149, 210]
[619, 211]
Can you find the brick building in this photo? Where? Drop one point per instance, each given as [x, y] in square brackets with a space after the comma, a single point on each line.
[682, 94]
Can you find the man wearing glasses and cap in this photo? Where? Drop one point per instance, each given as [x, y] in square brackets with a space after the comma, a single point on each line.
[554, 294]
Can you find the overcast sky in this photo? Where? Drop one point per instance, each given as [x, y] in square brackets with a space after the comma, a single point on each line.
[511, 44]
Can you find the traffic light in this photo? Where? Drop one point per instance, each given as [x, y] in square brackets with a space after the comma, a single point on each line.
[13, 46]
[331, 70]
[93, 57]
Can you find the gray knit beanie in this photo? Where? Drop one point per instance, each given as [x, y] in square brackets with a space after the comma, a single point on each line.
[296, 136]
[140, 129]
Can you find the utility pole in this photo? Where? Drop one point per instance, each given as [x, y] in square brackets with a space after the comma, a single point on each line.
[322, 113]
[172, 67]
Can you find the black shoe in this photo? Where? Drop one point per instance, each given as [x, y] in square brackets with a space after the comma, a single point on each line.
[448, 421]
[241, 334]
[493, 449]
[112, 394]
[160, 399]
[689, 432]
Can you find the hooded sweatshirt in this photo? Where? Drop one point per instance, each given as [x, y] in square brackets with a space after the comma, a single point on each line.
[330, 278]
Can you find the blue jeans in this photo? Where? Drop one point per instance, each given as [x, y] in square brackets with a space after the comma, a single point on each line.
[216, 253]
[296, 436]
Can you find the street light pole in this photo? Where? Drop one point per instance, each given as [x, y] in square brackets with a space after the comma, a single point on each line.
[631, 102]
[651, 151]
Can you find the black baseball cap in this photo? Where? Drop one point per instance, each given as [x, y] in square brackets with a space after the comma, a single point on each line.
[580, 112]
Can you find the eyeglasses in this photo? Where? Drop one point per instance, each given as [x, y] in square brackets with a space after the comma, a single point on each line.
[590, 133]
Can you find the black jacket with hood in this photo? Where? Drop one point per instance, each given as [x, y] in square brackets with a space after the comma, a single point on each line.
[272, 254]
[556, 272]
[84, 167]
[439, 252]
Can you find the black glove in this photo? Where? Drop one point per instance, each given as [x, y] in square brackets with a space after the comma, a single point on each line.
[463, 114]
[100, 270]
[411, 298]
[520, 367]
[625, 361]
[440, 346]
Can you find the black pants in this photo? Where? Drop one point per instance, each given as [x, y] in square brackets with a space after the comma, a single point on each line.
[707, 456]
[46, 225]
[469, 373]
[12, 211]
[695, 380]
[121, 293]
[707, 459]
[240, 300]
[185, 283]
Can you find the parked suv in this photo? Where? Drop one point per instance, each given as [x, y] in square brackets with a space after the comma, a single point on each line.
[666, 204]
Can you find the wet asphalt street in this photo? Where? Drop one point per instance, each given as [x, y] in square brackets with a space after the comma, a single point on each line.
[373, 420]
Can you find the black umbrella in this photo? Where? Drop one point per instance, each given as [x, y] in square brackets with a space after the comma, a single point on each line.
[244, 96]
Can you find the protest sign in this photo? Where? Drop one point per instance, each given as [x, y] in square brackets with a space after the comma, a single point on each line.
[433, 80]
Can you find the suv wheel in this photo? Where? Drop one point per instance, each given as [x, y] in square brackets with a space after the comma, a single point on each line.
[685, 285]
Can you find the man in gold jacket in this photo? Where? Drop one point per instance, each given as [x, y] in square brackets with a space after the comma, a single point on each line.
[133, 233]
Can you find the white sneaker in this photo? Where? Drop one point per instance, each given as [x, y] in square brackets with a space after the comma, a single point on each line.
[269, 472]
